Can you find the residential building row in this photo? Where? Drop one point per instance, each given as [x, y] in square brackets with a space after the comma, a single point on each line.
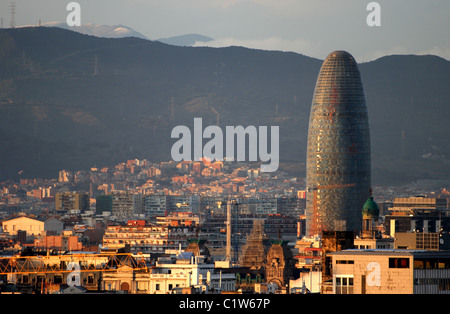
[343, 267]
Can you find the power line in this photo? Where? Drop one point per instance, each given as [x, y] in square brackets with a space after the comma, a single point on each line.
[13, 10]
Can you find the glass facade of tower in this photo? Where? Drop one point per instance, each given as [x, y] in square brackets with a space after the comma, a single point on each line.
[338, 169]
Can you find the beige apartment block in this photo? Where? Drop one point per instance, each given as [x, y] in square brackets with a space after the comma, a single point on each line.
[145, 239]
[388, 272]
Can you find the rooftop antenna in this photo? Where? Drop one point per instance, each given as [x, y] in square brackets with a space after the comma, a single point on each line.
[12, 9]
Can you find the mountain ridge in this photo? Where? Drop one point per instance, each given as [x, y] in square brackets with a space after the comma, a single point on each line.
[106, 31]
[69, 101]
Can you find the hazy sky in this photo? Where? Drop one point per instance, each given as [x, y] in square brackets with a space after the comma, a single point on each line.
[311, 27]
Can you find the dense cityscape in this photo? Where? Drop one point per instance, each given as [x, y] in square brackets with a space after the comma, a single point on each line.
[162, 215]
[211, 225]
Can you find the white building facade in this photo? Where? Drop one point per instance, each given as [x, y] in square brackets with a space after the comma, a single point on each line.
[173, 275]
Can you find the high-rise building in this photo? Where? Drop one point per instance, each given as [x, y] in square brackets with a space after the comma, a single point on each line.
[338, 169]
[103, 203]
[125, 204]
[71, 201]
[155, 205]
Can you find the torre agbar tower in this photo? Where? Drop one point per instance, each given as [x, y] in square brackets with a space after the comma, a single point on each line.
[338, 169]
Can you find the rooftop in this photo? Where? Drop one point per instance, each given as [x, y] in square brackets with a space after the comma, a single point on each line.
[393, 252]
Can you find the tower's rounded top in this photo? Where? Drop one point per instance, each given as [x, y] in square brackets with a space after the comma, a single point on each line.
[337, 69]
[340, 54]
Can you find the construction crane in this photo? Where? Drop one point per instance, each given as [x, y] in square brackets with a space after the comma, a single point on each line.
[65, 263]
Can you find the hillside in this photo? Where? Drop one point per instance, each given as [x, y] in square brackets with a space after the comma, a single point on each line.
[71, 101]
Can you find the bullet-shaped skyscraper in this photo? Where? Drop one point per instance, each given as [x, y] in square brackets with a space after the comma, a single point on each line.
[338, 168]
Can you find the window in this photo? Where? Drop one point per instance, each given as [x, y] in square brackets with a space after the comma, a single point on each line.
[90, 279]
[58, 279]
[344, 285]
[157, 288]
[142, 286]
[328, 265]
[444, 284]
[344, 262]
[398, 262]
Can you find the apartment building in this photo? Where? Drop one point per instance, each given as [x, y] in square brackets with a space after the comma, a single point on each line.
[125, 204]
[155, 205]
[71, 201]
[144, 238]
